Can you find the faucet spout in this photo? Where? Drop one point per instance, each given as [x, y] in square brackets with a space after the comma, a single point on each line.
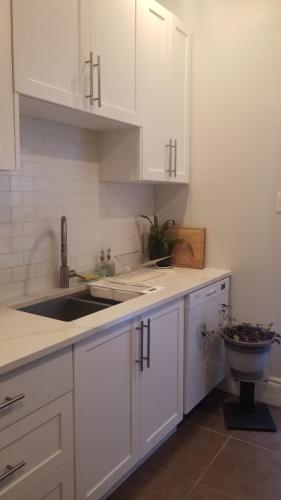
[65, 272]
[63, 241]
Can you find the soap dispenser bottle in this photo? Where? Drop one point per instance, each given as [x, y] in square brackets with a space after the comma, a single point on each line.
[109, 263]
[101, 269]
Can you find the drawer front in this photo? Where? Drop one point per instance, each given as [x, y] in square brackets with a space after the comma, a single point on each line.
[208, 292]
[57, 486]
[33, 386]
[40, 442]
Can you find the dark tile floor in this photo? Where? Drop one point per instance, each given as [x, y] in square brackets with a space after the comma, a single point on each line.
[204, 461]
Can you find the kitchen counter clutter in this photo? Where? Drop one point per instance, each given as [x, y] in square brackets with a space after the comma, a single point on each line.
[25, 337]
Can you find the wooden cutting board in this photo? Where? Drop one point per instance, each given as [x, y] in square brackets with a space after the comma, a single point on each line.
[190, 250]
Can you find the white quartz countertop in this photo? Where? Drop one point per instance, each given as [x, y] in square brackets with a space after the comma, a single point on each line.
[25, 337]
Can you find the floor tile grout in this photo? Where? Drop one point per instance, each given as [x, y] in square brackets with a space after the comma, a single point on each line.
[211, 463]
[255, 445]
[211, 489]
[210, 429]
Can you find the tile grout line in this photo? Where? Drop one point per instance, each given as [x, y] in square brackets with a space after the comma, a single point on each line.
[212, 490]
[255, 445]
[210, 464]
[209, 429]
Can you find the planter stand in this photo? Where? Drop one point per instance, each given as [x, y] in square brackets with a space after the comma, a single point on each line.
[246, 414]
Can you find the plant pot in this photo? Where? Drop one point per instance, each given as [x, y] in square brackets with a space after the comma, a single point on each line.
[157, 250]
[247, 360]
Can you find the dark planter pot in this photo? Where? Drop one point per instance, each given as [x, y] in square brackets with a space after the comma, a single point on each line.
[158, 250]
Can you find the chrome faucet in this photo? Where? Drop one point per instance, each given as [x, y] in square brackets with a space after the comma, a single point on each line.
[65, 272]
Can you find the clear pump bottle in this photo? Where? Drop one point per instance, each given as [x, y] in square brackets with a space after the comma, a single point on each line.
[109, 263]
[101, 269]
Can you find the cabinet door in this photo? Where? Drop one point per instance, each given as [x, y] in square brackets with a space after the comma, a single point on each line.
[152, 57]
[178, 100]
[7, 139]
[161, 384]
[46, 37]
[110, 34]
[106, 412]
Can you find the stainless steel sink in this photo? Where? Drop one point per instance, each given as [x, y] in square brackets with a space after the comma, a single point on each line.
[69, 307]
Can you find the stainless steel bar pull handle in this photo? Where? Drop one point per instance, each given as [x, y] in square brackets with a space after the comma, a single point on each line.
[97, 65]
[175, 157]
[8, 401]
[91, 94]
[140, 361]
[148, 343]
[169, 146]
[10, 469]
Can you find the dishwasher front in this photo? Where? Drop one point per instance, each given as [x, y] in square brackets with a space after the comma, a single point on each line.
[204, 360]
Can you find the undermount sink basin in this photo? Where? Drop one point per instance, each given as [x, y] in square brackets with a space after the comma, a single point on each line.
[69, 307]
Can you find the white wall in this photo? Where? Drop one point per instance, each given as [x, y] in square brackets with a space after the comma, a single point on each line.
[236, 148]
[59, 176]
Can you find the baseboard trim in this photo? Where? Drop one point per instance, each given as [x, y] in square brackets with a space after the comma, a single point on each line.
[267, 392]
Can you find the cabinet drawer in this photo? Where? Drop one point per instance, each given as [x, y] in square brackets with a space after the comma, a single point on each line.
[57, 486]
[40, 442]
[34, 386]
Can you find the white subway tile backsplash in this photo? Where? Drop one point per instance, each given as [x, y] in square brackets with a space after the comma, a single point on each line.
[23, 272]
[38, 228]
[33, 169]
[8, 199]
[22, 243]
[22, 214]
[5, 276]
[39, 256]
[5, 245]
[4, 183]
[10, 290]
[21, 183]
[59, 176]
[11, 229]
[40, 283]
[11, 260]
[5, 214]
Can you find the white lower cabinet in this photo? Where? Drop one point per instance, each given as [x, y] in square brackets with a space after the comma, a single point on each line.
[106, 410]
[128, 396]
[36, 430]
[56, 486]
[35, 447]
[161, 382]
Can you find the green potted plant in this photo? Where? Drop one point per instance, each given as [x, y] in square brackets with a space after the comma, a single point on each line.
[159, 245]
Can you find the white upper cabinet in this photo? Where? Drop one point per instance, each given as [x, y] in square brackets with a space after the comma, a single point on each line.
[78, 53]
[178, 100]
[163, 93]
[109, 38]
[152, 86]
[46, 39]
[7, 130]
